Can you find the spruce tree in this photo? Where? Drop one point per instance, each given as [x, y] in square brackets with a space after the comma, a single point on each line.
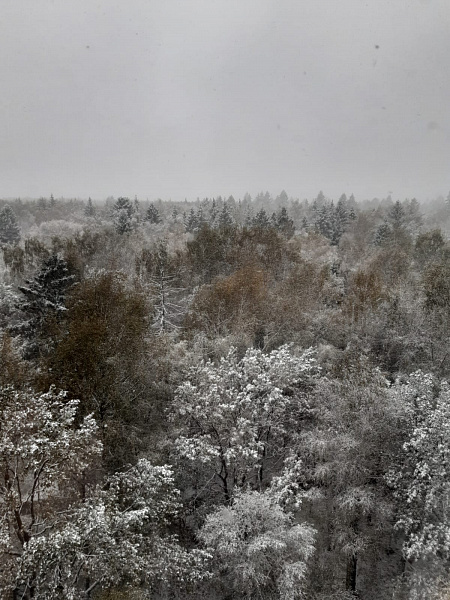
[9, 228]
[324, 222]
[152, 215]
[261, 220]
[123, 215]
[382, 234]
[225, 218]
[89, 211]
[284, 223]
[213, 212]
[191, 221]
[44, 297]
[396, 215]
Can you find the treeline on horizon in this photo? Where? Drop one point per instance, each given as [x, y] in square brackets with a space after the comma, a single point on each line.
[225, 399]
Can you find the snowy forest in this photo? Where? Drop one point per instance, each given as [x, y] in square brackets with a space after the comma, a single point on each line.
[225, 398]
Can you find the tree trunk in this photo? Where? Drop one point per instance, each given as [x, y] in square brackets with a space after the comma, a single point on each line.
[350, 582]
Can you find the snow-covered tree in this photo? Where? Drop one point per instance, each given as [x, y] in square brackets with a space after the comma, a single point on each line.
[258, 551]
[422, 477]
[233, 417]
[123, 213]
[8, 305]
[44, 297]
[261, 220]
[116, 539]
[43, 459]
[382, 234]
[225, 220]
[325, 220]
[63, 537]
[191, 221]
[152, 215]
[337, 471]
[89, 209]
[9, 228]
[213, 212]
[284, 223]
[164, 291]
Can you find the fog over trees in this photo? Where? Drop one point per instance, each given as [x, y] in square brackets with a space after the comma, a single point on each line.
[225, 398]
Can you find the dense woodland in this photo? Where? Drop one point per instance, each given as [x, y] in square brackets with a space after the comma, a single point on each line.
[225, 399]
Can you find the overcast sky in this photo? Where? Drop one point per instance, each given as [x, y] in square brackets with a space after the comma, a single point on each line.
[187, 98]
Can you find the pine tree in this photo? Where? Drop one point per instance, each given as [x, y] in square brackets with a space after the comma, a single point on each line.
[382, 234]
[191, 221]
[396, 215]
[283, 198]
[261, 220]
[123, 215]
[152, 215]
[249, 217]
[42, 203]
[341, 219]
[324, 222]
[284, 223]
[320, 200]
[225, 218]
[200, 217]
[44, 296]
[213, 212]
[89, 211]
[9, 228]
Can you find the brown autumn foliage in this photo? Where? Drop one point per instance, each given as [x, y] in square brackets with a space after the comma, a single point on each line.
[294, 300]
[101, 360]
[365, 294]
[237, 303]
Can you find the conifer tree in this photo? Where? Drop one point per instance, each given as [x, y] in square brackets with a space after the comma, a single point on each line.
[42, 203]
[284, 223]
[123, 215]
[382, 234]
[324, 222]
[9, 228]
[200, 217]
[396, 216]
[44, 296]
[261, 220]
[89, 210]
[191, 221]
[225, 218]
[152, 215]
[213, 212]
